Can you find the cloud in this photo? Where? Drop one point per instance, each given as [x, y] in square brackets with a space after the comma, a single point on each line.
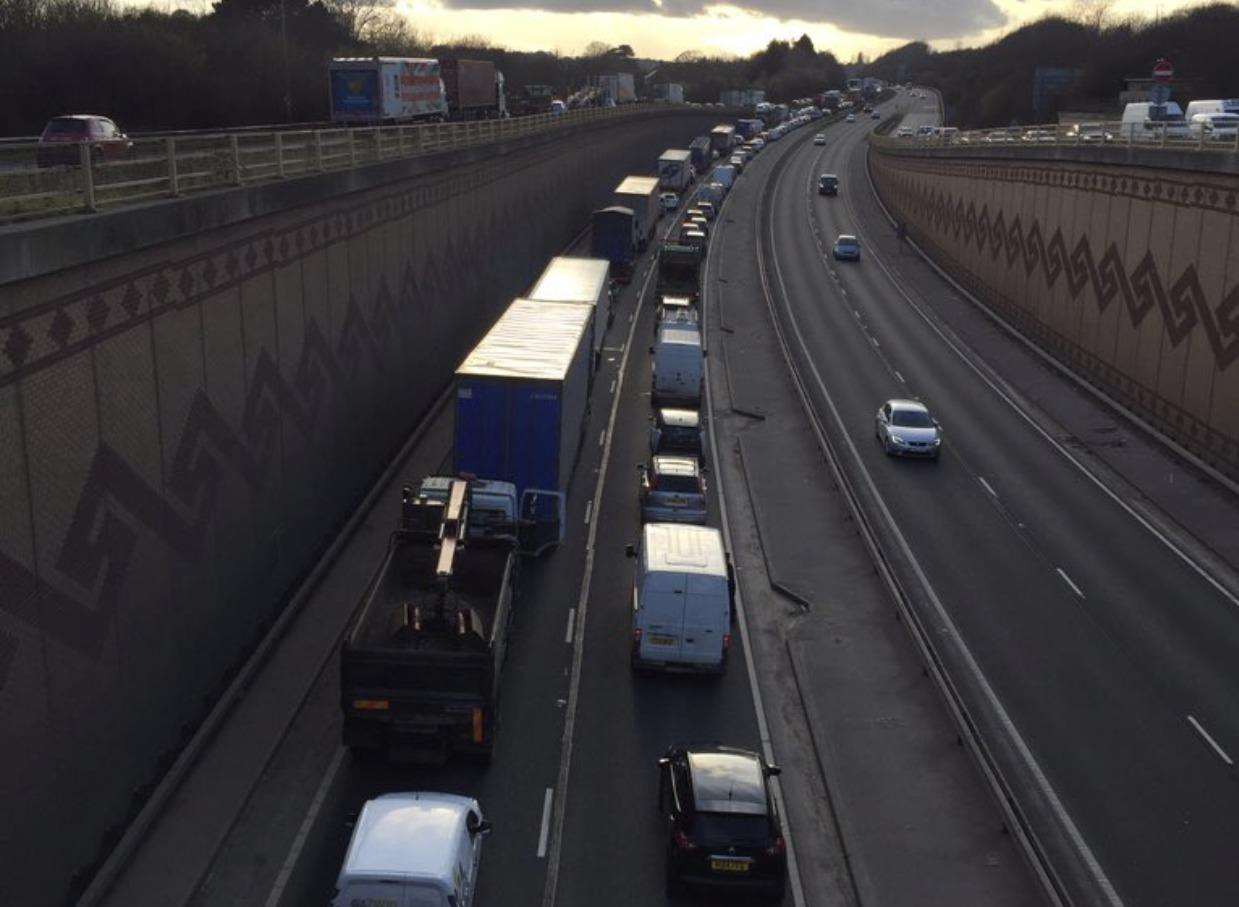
[911, 19]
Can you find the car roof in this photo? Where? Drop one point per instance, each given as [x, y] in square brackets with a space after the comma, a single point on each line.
[903, 403]
[668, 465]
[829, 176]
[409, 835]
[679, 418]
[846, 237]
[727, 782]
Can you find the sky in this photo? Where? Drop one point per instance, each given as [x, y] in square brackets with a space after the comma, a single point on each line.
[664, 28]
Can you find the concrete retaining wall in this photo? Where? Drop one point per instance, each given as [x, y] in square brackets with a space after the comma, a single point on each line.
[184, 425]
[1128, 274]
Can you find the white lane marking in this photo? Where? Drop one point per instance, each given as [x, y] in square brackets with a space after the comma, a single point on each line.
[602, 437]
[578, 643]
[311, 816]
[902, 380]
[589, 506]
[612, 386]
[546, 822]
[763, 728]
[571, 621]
[1213, 744]
[943, 616]
[1001, 388]
[1067, 579]
[988, 486]
[874, 341]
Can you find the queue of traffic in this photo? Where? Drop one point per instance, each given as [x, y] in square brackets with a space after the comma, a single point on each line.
[421, 663]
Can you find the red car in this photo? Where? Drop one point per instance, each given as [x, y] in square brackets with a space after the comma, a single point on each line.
[63, 137]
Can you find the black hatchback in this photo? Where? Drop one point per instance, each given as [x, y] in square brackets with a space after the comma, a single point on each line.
[723, 830]
[677, 431]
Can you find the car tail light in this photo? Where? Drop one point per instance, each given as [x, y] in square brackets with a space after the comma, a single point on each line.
[778, 848]
[478, 730]
[684, 842]
[636, 638]
[726, 640]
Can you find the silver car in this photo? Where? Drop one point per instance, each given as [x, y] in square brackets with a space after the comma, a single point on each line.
[905, 428]
[673, 490]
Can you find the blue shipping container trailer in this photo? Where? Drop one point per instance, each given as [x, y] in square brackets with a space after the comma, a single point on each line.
[522, 397]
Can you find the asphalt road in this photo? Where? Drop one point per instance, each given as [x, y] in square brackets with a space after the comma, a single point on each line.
[1111, 656]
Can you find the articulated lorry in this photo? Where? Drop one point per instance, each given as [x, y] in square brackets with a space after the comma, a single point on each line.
[474, 89]
[701, 153]
[640, 193]
[380, 90]
[722, 138]
[614, 237]
[522, 400]
[420, 664]
[580, 281]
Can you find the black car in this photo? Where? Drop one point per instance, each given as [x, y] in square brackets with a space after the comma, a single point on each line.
[828, 184]
[677, 431]
[723, 830]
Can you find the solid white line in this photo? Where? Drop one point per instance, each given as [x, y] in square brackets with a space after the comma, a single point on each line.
[763, 728]
[943, 616]
[571, 621]
[1067, 580]
[988, 486]
[1209, 740]
[612, 386]
[589, 506]
[602, 437]
[311, 816]
[546, 822]
[1000, 387]
[578, 644]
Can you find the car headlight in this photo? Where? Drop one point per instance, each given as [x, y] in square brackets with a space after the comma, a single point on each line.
[937, 440]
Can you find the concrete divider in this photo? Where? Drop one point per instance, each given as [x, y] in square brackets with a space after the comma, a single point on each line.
[1124, 269]
[193, 396]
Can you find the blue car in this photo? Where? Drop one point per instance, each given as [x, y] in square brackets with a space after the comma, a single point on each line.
[847, 248]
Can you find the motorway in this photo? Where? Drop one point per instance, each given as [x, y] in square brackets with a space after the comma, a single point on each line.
[1112, 656]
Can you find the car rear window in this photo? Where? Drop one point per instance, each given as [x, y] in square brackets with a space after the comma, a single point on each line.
[678, 438]
[66, 126]
[678, 484]
[734, 828]
[912, 418]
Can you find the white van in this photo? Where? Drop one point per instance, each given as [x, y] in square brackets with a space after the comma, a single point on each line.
[681, 599]
[413, 850]
[1145, 122]
[1215, 127]
[677, 366]
[1222, 105]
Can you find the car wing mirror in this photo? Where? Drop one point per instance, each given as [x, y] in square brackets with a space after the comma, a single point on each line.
[773, 771]
[630, 550]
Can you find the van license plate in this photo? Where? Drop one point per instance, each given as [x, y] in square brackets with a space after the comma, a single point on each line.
[720, 865]
[656, 640]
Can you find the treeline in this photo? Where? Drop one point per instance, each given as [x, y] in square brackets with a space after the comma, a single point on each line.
[785, 70]
[993, 85]
[243, 63]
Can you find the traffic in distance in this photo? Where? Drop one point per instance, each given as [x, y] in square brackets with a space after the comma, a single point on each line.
[422, 664]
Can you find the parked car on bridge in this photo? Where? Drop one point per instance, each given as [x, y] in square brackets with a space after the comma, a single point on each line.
[906, 428]
[723, 828]
[847, 248]
[63, 137]
[1215, 127]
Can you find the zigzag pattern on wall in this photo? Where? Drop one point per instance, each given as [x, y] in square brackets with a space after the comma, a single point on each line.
[1182, 302]
[116, 501]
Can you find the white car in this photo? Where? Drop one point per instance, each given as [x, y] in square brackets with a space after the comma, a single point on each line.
[906, 428]
[851, 118]
[819, 139]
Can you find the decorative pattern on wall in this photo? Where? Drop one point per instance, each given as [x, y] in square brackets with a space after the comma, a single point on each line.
[1180, 301]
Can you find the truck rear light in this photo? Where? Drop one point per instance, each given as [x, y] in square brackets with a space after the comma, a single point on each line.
[479, 729]
[636, 638]
[372, 705]
[726, 640]
[685, 843]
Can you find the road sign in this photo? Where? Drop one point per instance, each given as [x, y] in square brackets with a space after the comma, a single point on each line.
[1163, 70]
[1159, 93]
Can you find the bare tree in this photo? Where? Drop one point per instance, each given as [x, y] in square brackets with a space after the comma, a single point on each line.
[391, 34]
[1093, 14]
[358, 16]
[596, 49]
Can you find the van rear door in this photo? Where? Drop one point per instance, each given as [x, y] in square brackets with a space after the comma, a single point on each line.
[705, 620]
[661, 619]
